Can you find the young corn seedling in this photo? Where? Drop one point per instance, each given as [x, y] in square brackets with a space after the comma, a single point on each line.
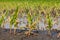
[31, 24]
[2, 19]
[49, 22]
[13, 19]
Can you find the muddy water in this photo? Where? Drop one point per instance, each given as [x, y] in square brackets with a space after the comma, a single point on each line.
[41, 25]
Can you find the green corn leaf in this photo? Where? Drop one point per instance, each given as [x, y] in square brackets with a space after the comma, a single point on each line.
[29, 18]
[3, 17]
[49, 21]
[14, 17]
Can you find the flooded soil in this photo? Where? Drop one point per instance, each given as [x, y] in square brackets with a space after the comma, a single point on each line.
[40, 35]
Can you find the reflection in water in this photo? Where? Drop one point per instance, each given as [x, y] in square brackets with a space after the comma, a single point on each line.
[41, 24]
[55, 25]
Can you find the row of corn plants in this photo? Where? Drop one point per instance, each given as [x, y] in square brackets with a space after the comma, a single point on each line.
[32, 18]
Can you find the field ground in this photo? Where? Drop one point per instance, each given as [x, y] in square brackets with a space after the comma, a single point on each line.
[35, 4]
[42, 35]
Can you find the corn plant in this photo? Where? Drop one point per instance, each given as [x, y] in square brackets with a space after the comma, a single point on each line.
[49, 22]
[3, 16]
[13, 19]
[31, 23]
[1, 19]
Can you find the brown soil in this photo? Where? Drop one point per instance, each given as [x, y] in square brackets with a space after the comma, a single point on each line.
[5, 35]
